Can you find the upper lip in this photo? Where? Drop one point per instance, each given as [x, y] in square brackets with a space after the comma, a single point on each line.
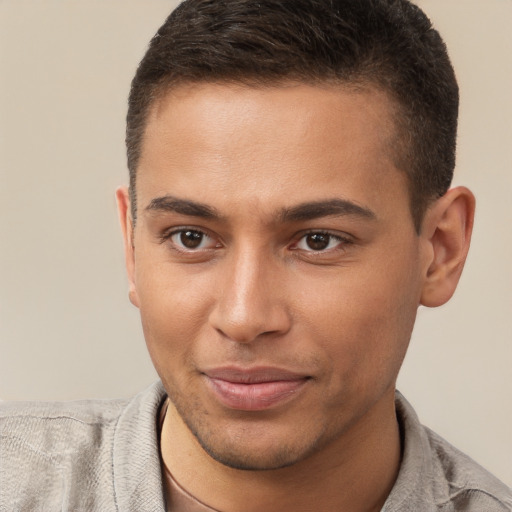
[253, 375]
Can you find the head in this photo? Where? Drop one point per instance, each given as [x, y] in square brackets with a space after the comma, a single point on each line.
[387, 44]
[287, 214]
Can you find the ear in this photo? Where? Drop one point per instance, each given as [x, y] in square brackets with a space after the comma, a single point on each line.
[125, 219]
[446, 228]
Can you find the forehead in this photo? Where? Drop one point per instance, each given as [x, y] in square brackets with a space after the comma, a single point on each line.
[265, 145]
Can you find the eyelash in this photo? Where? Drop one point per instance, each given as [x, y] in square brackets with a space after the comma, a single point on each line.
[167, 236]
[343, 240]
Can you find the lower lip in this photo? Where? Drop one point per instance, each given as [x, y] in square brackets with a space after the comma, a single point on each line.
[255, 396]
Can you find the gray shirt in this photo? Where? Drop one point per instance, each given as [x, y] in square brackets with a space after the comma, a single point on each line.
[104, 456]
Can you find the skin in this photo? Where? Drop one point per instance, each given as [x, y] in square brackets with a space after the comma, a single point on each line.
[328, 292]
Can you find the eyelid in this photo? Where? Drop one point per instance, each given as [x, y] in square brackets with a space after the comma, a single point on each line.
[342, 238]
[167, 234]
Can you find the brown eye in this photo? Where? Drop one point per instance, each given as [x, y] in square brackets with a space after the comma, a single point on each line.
[192, 239]
[317, 241]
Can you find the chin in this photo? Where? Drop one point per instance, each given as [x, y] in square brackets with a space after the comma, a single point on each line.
[250, 458]
[250, 441]
[250, 448]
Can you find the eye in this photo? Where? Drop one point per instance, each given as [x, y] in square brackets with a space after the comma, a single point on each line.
[192, 239]
[319, 242]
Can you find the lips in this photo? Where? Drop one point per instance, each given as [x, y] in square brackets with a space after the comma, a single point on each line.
[254, 389]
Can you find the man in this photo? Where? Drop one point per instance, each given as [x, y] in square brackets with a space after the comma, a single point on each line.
[288, 211]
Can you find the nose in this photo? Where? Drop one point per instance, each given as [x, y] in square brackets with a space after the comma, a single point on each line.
[250, 299]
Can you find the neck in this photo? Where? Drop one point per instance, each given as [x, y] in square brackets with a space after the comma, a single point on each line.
[355, 473]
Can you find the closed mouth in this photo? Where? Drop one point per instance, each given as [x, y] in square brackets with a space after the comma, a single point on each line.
[254, 389]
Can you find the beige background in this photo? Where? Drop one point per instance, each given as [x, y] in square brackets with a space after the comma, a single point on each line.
[67, 329]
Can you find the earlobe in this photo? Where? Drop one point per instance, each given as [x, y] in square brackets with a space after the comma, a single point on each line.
[447, 228]
[123, 209]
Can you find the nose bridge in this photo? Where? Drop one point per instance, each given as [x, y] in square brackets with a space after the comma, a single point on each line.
[248, 301]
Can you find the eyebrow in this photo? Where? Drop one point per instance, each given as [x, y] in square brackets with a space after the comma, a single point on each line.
[330, 207]
[301, 212]
[182, 206]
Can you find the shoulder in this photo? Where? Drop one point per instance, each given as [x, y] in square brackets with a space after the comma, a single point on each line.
[64, 453]
[80, 412]
[436, 476]
[56, 429]
[47, 446]
[461, 481]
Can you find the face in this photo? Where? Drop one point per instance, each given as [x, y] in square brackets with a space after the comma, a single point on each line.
[275, 265]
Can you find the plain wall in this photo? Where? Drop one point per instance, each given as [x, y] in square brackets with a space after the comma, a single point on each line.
[67, 329]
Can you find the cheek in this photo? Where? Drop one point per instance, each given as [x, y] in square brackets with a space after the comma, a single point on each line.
[363, 321]
[173, 307]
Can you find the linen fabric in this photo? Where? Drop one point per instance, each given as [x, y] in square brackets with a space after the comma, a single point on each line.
[103, 455]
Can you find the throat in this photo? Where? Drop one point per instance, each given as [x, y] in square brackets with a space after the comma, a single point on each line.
[178, 499]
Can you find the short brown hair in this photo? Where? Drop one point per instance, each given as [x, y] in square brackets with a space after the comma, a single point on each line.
[387, 43]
